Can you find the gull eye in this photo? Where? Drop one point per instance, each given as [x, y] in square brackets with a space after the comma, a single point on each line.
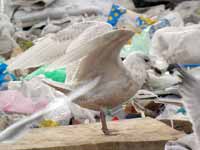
[146, 59]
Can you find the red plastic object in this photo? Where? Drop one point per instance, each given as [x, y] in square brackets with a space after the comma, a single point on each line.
[115, 119]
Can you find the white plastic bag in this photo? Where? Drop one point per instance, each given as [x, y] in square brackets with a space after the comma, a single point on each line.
[177, 45]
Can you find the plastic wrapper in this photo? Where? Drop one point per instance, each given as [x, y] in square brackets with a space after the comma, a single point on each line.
[115, 14]
[5, 76]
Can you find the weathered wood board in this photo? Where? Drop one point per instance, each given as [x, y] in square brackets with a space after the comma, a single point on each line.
[181, 125]
[135, 134]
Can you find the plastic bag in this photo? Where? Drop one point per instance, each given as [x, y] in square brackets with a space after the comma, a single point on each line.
[174, 19]
[189, 11]
[58, 75]
[15, 102]
[34, 89]
[140, 43]
[7, 43]
[17, 130]
[177, 45]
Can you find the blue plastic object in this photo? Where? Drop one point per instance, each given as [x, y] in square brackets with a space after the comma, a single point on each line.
[181, 110]
[190, 65]
[116, 12]
[4, 75]
[159, 25]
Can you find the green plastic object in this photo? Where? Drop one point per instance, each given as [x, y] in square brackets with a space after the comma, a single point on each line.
[58, 75]
[140, 42]
[2, 60]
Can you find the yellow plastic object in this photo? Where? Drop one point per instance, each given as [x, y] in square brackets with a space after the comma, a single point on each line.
[24, 44]
[129, 42]
[197, 11]
[48, 123]
[149, 21]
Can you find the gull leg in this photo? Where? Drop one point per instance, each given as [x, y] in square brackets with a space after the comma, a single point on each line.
[103, 123]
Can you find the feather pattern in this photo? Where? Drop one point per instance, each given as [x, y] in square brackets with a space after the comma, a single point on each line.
[49, 48]
[103, 53]
[89, 34]
[190, 90]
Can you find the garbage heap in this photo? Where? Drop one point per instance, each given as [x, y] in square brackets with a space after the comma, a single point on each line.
[61, 60]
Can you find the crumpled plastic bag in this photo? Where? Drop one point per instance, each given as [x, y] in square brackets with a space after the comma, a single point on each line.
[140, 42]
[17, 130]
[61, 9]
[174, 18]
[34, 88]
[58, 75]
[189, 11]
[7, 43]
[177, 45]
[16, 102]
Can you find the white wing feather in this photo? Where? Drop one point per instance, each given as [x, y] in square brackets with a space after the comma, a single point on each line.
[190, 90]
[49, 48]
[89, 34]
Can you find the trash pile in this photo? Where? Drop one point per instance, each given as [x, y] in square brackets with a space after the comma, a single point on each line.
[63, 61]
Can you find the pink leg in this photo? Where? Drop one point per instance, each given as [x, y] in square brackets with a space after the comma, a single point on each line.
[103, 123]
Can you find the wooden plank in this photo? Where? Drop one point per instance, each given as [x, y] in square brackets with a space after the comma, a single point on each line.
[181, 125]
[135, 134]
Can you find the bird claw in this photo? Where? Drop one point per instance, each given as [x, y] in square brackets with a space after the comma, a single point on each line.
[108, 132]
